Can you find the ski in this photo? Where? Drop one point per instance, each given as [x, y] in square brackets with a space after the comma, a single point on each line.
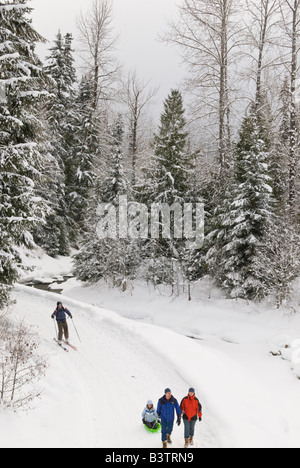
[61, 346]
[71, 346]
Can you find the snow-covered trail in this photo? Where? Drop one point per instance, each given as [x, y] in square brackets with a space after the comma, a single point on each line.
[94, 397]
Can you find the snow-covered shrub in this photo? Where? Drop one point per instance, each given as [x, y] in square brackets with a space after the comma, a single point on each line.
[20, 365]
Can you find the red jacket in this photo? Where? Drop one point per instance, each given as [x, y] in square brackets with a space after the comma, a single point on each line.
[191, 408]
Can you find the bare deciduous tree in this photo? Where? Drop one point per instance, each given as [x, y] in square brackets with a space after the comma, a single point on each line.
[260, 39]
[207, 35]
[290, 10]
[98, 43]
[19, 365]
[137, 95]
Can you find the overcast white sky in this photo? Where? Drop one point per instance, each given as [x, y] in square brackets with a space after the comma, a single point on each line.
[137, 21]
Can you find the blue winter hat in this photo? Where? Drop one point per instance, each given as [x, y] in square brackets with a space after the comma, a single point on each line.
[167, 390]
[192, 390]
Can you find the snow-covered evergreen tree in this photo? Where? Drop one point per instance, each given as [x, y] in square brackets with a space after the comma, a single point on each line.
[280, 156]
[172, 159]
[244, 217]
[53, 235]
[115, 183]
[169, 181]
[21, 137]
[86, 153]
[60, 117]
[113, 259]
[278, 264]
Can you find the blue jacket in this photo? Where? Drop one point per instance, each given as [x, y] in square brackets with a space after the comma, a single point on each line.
[149, 415]
[166, 409]
[60, 314]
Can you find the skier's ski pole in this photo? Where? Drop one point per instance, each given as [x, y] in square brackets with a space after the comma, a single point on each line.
[76, 330]
[56, 332]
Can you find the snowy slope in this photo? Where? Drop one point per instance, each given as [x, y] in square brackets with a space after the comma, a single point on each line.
[256, 394]
[94, 398]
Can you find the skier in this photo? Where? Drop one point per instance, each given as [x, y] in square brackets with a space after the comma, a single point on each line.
[60, 315]
[166, 407]
[150, 416]
[191, 410]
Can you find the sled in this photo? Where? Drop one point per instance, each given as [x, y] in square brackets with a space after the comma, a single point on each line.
[153, 431]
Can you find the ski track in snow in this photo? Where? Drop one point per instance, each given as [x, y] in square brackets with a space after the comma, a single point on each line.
[95, 397]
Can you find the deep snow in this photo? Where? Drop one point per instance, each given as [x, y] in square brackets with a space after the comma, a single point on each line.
[94, 397]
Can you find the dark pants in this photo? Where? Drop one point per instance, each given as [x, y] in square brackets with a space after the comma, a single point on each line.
[166, 428]
[189, 428]
[151, 425]
[63, 330]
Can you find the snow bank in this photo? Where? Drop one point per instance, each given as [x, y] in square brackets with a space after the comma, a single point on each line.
[41, 267]
[289, 350]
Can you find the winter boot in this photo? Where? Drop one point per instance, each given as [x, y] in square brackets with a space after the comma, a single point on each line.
[191, 440]
[186, 444]
[169, 440]
[165, 445]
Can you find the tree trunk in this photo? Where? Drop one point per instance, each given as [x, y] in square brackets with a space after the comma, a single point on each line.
[293, 115]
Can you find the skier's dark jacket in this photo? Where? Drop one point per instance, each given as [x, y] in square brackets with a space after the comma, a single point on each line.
[60, 314]
[165, 408]
[191, 408]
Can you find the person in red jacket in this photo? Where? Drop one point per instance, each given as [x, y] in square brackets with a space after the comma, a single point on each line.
[191, 410]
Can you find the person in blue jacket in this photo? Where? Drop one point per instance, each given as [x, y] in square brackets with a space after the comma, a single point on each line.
[150, 416]
[61, 318]
[166, 409]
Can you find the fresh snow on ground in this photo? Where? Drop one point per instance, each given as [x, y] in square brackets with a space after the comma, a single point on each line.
[94, 397]
[42, 267]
